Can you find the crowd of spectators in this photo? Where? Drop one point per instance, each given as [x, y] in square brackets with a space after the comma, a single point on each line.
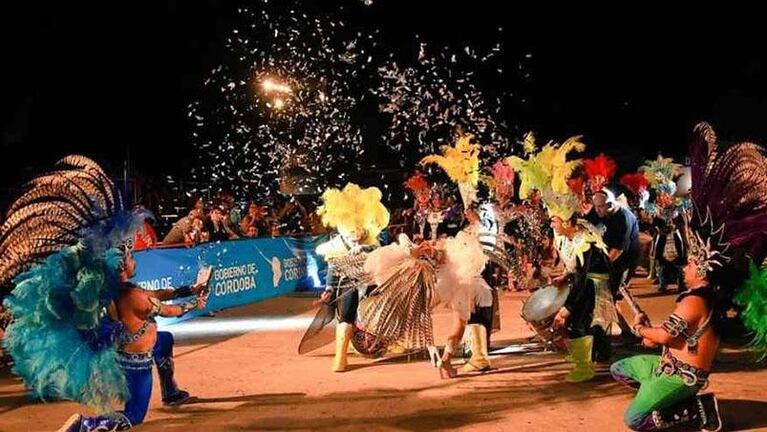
[226, 219]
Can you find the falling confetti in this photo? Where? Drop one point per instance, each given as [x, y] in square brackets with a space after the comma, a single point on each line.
[437, 98]
[284, 110]
[280, 105]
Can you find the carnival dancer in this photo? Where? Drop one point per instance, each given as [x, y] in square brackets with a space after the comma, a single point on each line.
[729, 194]
[529, 223]
[359, 217]
[589, 305]
[461, 164]
[422, 192]
[498, 214]
[140, 345]
[668, 214]
[588, 311]
[669, 250]
[414, 279]
[76, 331]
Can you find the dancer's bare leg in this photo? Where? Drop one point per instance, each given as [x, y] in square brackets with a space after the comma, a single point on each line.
[446, 369]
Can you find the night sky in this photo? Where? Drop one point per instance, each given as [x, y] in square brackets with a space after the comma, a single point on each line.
[107, 78]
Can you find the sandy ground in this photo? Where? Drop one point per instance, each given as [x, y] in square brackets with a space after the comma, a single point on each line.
[243, 368]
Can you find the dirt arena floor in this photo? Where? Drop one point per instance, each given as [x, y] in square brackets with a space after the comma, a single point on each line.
[242, 365]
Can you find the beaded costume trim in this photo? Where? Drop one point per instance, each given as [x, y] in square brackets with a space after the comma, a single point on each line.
[691, 375]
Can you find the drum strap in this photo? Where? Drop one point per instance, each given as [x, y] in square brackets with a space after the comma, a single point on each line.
[602, 277]
[587, 265]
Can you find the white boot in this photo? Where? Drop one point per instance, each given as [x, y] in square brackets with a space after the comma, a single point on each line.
[434, 358]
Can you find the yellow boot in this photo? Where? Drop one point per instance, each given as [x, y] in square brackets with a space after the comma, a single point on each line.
[344, 333]
[580, 356]
[479, 360]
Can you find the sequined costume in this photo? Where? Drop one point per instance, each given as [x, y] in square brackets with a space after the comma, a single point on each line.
[528, 226]
[668, 249]
[63, 247]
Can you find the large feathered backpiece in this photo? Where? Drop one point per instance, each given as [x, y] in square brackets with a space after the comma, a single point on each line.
[729, 191]
[61, 250]
[55, 212]
[729, 221]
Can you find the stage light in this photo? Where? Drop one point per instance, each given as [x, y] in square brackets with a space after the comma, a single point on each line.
[272, 86]
[222, 326]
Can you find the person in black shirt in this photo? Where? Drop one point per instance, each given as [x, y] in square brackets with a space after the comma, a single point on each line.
[216, 227]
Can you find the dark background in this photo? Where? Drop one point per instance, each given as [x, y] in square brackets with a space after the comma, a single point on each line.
[112, 78]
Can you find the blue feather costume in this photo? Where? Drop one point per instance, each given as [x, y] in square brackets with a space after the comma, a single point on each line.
[60, 251]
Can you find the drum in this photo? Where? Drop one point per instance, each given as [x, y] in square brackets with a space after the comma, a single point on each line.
[367, 344]
[540, 309]
[363, 341]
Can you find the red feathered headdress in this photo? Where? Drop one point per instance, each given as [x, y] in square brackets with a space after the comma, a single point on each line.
[635, 182]
[418, 184]
[601, 166]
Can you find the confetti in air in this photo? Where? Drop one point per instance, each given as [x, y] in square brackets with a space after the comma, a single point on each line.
[288, 106]
[437, 98]
[280, 106]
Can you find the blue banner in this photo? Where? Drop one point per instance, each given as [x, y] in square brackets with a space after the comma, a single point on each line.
[244, 271]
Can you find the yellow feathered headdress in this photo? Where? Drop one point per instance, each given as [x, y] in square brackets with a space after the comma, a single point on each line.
[546, 168]
[553, 160]
[461, 164]
[354, 210]
[587, 236]
[531, 175]
[548, 171]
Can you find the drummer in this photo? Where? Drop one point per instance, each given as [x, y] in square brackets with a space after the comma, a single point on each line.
[589, 305]
[589, 308]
